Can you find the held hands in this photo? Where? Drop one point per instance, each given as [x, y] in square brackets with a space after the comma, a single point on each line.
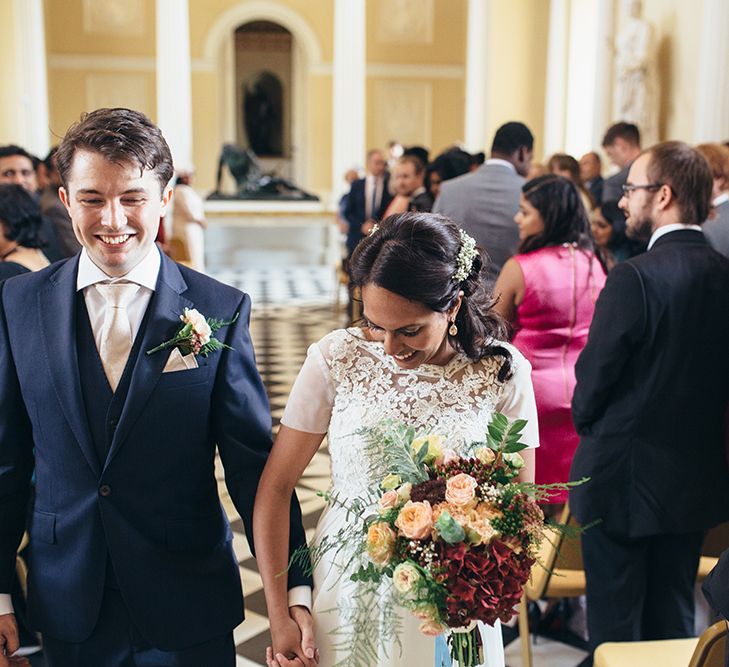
[293, 640]
[9, 642]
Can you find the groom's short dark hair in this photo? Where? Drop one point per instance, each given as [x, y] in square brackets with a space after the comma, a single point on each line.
[123, 136]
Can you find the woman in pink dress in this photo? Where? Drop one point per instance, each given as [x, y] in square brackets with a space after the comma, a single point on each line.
[548, 292]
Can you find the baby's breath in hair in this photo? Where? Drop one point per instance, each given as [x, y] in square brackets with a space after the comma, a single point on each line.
[466, 254]
[375, 227]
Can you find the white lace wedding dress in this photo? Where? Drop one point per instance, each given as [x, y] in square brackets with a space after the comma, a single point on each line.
[348, 383]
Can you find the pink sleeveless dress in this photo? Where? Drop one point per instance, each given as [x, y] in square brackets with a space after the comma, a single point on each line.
[552, 321]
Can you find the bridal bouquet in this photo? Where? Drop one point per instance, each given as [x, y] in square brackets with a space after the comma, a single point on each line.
[456, 535]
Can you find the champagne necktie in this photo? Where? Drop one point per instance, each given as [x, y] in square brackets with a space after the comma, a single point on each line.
[116, 332]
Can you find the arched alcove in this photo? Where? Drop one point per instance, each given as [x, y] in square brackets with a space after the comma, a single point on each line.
[220, 50]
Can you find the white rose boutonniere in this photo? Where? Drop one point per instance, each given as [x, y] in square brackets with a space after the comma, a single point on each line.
[196, 334]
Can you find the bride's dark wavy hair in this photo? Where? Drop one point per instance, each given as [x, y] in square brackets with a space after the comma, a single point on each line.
[415, 256]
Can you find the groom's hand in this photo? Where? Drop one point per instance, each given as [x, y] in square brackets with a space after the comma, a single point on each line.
[293, 641]
[9, 642]
[303, 619]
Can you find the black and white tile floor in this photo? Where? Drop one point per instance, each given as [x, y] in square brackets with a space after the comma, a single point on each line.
[293, 308]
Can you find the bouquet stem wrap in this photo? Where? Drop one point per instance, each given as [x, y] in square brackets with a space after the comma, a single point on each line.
[465, 645]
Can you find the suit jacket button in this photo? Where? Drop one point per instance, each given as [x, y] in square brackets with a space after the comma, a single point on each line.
[105, 490]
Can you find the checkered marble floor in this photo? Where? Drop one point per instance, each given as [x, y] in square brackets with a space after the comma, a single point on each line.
[293, 308]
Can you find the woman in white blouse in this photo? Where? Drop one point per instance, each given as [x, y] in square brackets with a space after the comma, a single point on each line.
[431, 354]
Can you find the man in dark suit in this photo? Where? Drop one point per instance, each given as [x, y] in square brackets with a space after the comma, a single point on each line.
[649, 406]
[485, 201]
[622, 145]
[52, 207]
[716, 228]
[591, 175]
[368, 198]
[132, 559]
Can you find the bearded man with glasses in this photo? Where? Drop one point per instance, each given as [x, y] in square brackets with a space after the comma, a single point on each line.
[649, 406]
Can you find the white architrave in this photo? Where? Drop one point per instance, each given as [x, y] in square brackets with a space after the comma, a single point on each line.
[348, 90]
[174, 85]
[31, 77]
[711, 119]
[476, 121]
[219, 56]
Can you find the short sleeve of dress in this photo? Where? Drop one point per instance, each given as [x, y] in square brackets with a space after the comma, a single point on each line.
[517, 400]
[310, 403]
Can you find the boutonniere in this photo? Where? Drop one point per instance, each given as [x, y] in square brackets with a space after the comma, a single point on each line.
[196, 334]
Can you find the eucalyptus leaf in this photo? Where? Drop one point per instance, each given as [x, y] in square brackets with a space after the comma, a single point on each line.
[450, 530]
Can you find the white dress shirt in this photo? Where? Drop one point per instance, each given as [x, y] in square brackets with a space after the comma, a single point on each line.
[373, 186]
[145, 275]
[502, 163]
[667, 229]
[723, 197]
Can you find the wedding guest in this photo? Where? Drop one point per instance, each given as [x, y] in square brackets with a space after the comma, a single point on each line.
[20, 223]
[548, 292]
[449, 164]
[17, 167]
[607, 224]
[650, 406]
[52, 207]
[622, 145]
[591, 174]
[188, 218]
[409, 178]
[429, 335]
[566, 166]
[716, 228]
[485, 201]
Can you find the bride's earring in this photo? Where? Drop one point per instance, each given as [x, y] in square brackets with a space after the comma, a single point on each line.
[453, 329]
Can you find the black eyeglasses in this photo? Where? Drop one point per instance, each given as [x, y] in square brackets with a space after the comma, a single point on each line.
[628, 188]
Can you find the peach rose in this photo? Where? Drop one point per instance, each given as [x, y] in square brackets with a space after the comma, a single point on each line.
[431, 628]
[425, 612]
[199, 324]
[486, 455]
[415, 520]
[380, 543]
[405, 577]
[388, 500]
[461, 489]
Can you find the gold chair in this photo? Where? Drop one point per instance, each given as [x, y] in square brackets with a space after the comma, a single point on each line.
[179, 251]
[20, 566]
[716, 541]
[705, 651]
[558, 573]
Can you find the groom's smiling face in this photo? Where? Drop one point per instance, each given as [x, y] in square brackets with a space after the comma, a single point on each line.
[115, 210]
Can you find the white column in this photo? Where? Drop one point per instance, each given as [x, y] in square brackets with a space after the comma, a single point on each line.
[348, 90]
[605, 40]
[476, 121]
[711, 120]
[31, 77]
[555, 106]
[174, 86]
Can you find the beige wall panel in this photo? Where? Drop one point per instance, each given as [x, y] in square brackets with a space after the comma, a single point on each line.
[447, 25]
[677, 33]
[119, 90]
[517, 65]
[400, 110]
[319, 141]
[67, 94]
[319, 14]
[448, 114]
[71, 29]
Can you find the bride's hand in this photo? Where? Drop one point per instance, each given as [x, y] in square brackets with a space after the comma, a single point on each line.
[287, 651]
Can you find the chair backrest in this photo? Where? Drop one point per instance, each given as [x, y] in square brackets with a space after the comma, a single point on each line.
[555, 552]
[711, 649]
[716, 540]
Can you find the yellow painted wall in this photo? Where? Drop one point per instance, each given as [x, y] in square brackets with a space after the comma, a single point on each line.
[677, 32]
[517, 48]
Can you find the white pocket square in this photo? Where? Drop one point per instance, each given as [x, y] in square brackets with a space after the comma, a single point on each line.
[176, 362]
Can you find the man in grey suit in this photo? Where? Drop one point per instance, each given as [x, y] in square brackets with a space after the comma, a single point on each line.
[622, 145]
[716, 228]
[484, 202]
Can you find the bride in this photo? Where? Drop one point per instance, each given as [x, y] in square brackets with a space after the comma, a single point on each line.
[431, 354]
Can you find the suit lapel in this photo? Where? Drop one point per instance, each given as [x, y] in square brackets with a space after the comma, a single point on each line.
[58, 325]
[163, 323]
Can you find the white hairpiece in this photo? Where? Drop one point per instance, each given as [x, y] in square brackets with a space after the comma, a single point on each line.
[466, 254]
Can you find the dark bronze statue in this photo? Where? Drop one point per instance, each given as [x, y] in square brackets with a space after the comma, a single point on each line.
[251, 181]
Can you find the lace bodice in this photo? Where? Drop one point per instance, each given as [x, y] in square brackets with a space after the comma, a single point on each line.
[349, 383]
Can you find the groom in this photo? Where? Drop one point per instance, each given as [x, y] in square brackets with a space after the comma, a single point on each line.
[132, 559]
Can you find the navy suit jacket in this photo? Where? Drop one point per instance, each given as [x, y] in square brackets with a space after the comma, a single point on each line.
[158, 517]
[355, 210]
[652, 392]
